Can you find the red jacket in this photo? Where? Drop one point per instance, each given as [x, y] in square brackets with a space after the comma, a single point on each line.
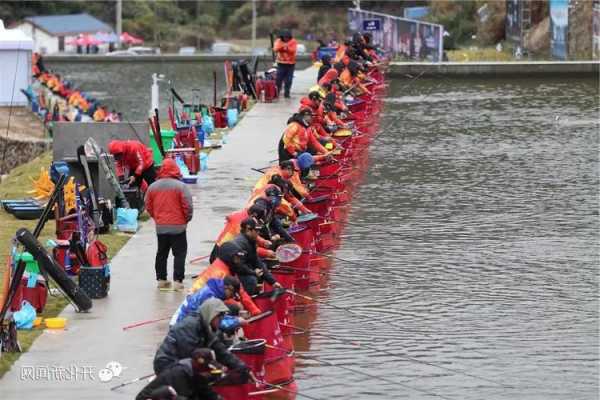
[329, 77]
[135, 155]
[169, 201]
[286, 51]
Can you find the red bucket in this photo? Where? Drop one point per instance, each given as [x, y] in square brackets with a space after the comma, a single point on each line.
[319, 205]
[328, 169]
[252, 353]
[303, 236]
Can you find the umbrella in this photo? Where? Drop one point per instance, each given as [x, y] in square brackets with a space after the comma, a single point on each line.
[84, 40]
[130, 39]
[104, 37]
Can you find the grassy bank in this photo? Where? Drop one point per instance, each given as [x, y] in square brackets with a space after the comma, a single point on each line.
[15, 186]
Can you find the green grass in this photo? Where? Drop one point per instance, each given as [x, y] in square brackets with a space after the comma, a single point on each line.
[15, 186]
[479, 54]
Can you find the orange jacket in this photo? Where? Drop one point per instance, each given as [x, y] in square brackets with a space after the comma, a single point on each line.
[340, 53]
[286, 51]
[232, 229]
[329, 77]
[284, 209]
[218, 269]
[297, 139]
[294, 180]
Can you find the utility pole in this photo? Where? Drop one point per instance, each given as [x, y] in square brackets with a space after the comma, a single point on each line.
[253, 24]
[119, 24]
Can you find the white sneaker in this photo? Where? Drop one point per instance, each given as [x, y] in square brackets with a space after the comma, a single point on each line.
[178, 286]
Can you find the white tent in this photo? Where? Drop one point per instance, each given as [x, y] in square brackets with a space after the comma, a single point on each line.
[15, 65]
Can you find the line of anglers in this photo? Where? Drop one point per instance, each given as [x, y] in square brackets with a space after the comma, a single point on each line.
[194, 354]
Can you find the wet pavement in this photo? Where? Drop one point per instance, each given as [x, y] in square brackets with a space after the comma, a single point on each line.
[65, 364]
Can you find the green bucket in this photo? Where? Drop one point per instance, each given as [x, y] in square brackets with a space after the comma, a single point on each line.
[31, 266]
[167, 138]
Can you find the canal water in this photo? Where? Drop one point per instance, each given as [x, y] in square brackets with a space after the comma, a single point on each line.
[125, 87]
[475, 237]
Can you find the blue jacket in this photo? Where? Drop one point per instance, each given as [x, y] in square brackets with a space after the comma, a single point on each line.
[214, 288]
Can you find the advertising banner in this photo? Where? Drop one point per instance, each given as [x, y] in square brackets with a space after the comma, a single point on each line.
[596, 29]
[411, 39]
[559, 27]
[513, 20]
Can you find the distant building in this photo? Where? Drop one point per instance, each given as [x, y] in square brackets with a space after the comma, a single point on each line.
[51, 32]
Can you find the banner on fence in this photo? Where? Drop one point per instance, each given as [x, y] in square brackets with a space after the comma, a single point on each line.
[596, 29]
[513, 20]
[412, 39]
[559, 27]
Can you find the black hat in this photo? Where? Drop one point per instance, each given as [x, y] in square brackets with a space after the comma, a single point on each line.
[248, 223]
[233, 282]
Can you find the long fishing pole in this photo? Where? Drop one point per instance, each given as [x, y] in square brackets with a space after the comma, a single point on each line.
[359, 372]
[148, 322]
[131, 382]
[371, 320]
[456, 371]
[346, 309]
[280, 387]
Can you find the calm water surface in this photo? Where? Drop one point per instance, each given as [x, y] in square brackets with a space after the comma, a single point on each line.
[477, 233]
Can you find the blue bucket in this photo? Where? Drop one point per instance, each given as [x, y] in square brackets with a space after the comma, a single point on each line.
[232, 117]
[201, 134]
[207, 124]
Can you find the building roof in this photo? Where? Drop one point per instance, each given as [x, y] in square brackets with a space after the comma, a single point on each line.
[63, 25]
[14, 39]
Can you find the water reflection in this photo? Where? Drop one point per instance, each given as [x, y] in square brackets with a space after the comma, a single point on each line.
[477, 227]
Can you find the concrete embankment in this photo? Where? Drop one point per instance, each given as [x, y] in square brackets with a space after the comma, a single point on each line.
[517, 68]
[96, 338]
[22, 137]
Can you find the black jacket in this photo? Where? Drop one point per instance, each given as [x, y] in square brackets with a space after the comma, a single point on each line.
[182, 378]
[252, 260]
[185, 336]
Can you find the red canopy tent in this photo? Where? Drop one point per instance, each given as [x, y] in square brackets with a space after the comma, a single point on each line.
[84, 40]
[130, 39]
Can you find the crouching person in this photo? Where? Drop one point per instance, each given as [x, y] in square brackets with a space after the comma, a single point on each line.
[187, 379]
[198, 331]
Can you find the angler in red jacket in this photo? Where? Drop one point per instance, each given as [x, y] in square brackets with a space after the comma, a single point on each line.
[285, 47]
[299, 137]
[330, 77]
[169, 203]
[136, 157]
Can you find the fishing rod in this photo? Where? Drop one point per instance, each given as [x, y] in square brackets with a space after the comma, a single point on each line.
[280, 387]
[456, 371]
[148, 322]
[359, 372]
[131, 382]
[346, 309]
[372, 320]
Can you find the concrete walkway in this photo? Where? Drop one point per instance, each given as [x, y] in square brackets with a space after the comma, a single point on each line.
[65, 364]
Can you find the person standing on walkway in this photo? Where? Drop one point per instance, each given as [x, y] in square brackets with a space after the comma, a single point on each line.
[169, 203]
[137, 157]
[285, 47]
